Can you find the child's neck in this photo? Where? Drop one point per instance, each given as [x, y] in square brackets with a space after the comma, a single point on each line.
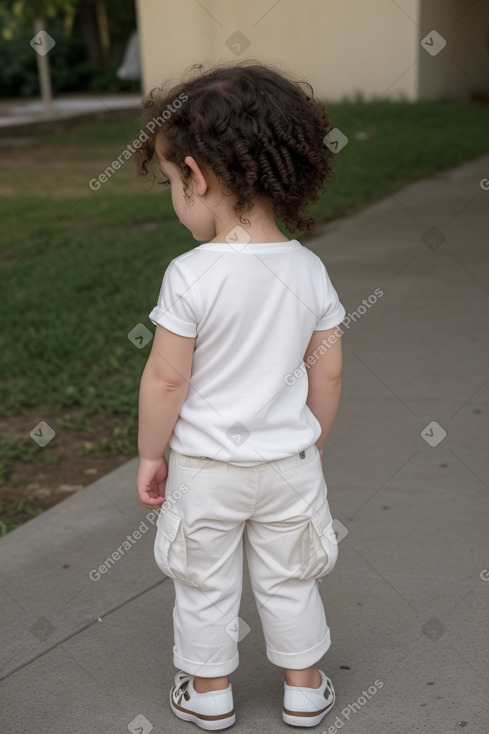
[258, 224]
[254, 238]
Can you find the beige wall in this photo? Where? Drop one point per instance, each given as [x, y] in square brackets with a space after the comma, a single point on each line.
[341, 48]
[463, 65]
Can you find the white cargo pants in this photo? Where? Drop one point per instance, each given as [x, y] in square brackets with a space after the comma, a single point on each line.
[281, 510]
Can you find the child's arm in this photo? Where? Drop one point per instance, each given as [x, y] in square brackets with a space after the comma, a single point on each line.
[164, 386]
[324, 374]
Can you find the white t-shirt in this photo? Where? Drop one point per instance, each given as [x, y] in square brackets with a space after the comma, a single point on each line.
[252, 309]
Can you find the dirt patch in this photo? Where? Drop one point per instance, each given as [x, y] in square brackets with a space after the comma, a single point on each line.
[40, 477]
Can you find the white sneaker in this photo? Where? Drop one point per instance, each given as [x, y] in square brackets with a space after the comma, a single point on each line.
[308, 706]
[212, 710]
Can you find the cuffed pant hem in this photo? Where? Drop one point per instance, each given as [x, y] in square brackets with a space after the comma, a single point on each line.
[205, 670]
[300, 660]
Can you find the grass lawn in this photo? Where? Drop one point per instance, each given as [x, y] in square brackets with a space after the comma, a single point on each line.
[80, 268]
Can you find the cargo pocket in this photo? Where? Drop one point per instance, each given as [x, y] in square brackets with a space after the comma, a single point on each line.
[320, 545]
[170, 548]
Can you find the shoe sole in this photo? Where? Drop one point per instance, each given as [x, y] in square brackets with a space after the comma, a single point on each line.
[210, 724]
[307, 718]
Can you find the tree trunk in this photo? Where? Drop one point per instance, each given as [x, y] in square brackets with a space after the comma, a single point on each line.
[91, 32]
[44, 73]
[103, 27]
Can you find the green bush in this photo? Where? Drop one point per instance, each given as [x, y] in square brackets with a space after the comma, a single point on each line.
[71, 71]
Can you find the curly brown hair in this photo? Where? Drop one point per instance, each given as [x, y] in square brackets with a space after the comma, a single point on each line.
[257, 129]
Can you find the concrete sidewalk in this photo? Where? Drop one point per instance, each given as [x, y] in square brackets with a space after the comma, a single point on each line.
[27, 117]
[88, 653]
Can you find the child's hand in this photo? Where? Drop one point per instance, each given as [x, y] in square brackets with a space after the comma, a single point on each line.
[151, 482]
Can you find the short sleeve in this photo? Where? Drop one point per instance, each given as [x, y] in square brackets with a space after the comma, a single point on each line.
[176, 308]
[333, 311]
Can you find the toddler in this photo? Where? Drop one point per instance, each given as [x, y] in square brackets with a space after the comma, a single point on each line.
[243, 383]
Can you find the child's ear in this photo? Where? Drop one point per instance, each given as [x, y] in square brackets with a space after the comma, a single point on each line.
[201, 184]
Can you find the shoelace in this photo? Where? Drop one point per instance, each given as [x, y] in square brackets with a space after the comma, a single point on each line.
[181, 685]
[328, 690]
